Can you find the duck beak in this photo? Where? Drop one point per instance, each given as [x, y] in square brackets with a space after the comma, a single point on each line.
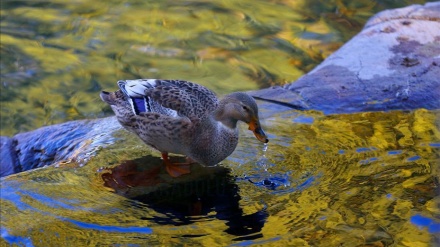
[254, 126]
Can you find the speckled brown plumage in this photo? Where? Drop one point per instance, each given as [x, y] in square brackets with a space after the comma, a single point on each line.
[183, 117]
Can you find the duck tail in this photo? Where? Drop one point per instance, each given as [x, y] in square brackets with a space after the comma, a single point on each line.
[136, 88]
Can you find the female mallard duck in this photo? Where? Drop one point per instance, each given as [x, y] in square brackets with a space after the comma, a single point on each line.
[182, 117]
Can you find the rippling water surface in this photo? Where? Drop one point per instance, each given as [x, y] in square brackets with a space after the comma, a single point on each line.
[351, 180]
[56, 55]
[366, 179]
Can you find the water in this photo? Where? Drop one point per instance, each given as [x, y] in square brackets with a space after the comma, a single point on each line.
[337, 180]
[58, 55]
[355, 179]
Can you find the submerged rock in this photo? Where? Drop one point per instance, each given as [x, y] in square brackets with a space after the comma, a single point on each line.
[393, 64]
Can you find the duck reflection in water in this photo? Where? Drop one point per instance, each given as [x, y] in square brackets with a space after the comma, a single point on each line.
[205, 190]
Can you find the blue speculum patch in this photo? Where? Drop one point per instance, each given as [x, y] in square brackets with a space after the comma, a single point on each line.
[139, 105]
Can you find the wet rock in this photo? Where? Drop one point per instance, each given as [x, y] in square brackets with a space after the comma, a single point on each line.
[74, 141]
[393, 63]
[8, 158]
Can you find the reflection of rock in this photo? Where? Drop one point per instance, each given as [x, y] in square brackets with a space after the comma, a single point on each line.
[394, 63]
[204, 191]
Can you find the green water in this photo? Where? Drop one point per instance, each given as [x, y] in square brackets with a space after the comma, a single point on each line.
[365, 179]
[57, 55]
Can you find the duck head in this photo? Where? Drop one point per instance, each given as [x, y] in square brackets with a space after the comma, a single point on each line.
[240, 107]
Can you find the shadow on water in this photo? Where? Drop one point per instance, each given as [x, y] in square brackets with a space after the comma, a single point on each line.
[367, 179]
[213, 194]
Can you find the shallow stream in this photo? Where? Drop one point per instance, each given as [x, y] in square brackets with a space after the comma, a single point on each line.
[365, 179]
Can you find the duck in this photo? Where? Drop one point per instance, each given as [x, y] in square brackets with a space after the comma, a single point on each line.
[182, 117]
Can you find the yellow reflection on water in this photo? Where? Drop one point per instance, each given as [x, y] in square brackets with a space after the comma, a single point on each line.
[56, 50]
[354, 179]
[371, 173]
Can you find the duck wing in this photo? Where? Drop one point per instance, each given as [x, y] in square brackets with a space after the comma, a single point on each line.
[169, 97]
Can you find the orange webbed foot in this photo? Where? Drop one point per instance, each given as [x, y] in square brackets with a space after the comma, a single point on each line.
[176, 169]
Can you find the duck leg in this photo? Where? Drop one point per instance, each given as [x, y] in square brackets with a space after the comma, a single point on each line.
[175, 169]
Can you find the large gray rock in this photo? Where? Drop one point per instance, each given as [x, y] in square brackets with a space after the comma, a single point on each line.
[393, 63]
